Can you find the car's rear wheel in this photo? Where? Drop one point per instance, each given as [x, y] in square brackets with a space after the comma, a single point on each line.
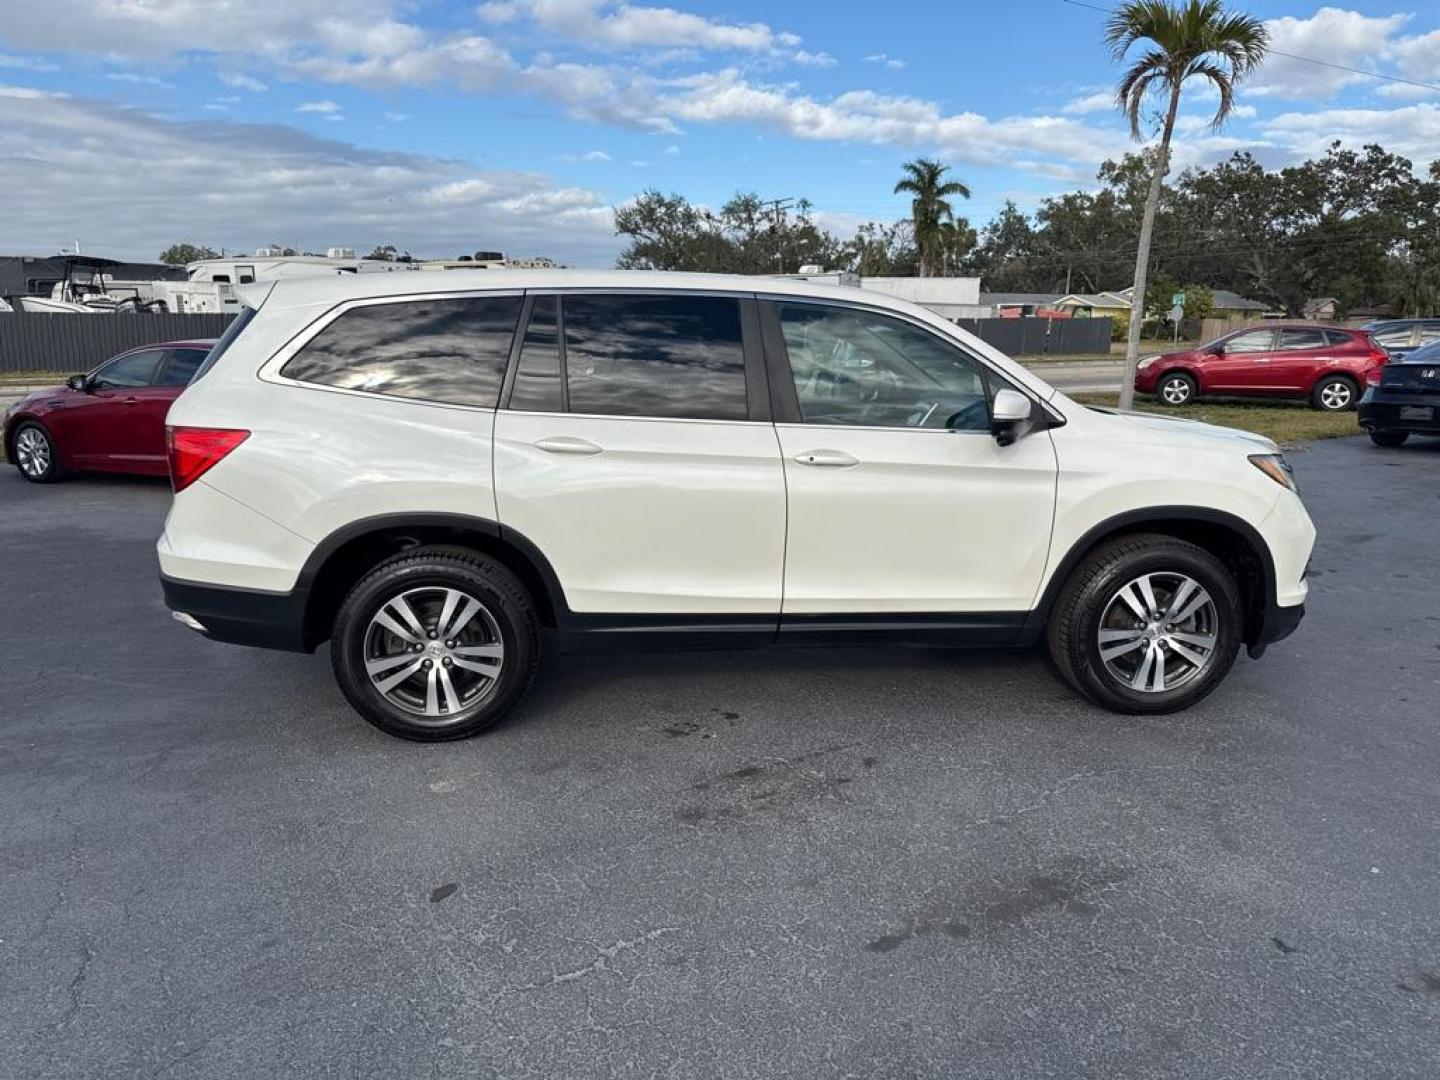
[1389, 439]
[1334, 393]
[1147, 624]
[34, 454]
[1176, 388]
[437, 643]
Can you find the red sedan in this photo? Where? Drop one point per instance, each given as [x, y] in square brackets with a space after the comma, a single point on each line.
[111, 420]
[1329, 366]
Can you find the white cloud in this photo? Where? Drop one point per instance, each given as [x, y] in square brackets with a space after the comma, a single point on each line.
[136, 79]
[323, 107]
[1331, 34]
[26, 63]
[396, 117]
[672, 150]
[1412, 131]
[242, 82]
[69, 164]
[599, 23]
[1090, 103]
[595, 156]
[813, 59]
[894, 63]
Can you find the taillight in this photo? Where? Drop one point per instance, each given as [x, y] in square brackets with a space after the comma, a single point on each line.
[1372, 376]
[192, 451]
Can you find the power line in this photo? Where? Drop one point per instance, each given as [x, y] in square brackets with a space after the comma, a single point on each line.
[1293, 56]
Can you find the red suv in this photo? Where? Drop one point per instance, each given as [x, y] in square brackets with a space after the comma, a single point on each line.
[111, 420]
[1328, 365]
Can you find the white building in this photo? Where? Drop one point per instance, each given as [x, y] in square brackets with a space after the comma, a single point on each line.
[948, 297]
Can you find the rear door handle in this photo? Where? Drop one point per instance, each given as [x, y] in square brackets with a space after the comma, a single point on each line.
[833, 459]
[130, 401]
[565, 444]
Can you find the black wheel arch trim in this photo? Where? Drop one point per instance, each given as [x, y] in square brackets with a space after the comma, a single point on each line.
[1260, 619]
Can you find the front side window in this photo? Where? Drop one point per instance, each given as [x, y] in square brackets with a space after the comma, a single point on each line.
[856, 367]
[657, 356]
[128, 372]
[1291, 340]
[451, 351]
[1251, 341]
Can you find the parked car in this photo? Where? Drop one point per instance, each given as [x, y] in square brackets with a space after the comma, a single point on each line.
[428, 472]
[109, 420]
[1400, 337]
[1326, 365]
[1407, 401]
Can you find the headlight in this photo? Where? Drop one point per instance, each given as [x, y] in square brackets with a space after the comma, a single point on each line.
[1145, 361]
[1276, 468]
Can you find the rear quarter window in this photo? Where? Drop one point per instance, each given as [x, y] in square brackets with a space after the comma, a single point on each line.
[449, 351]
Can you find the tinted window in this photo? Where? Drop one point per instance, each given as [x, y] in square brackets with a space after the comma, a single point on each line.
[128, 372]
[1338, 337]
[855, 367]
[677, 356]
[1302, 339]
[1251, 341]
[1429, 333]
[1395, 335]
[451, 351]
[537, 380]
[227, 339]
[182, 367]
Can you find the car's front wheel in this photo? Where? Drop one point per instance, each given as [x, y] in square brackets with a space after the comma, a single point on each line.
[436, 643]
[34, 454]
[1335, 393]
[1389, 439]
[1147, 624]
[1176, 388]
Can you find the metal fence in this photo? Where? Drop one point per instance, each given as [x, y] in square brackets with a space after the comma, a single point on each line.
[71, 343]
[1038, 337]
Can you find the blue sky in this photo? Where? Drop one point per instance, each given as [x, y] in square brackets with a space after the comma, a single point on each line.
[444, 126]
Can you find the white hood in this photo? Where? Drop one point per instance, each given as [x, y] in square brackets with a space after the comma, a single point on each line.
[1178, 427]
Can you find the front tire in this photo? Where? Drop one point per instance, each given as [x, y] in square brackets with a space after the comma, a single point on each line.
[1176, 388]
[33, 452]
[1389, 439]
[1146, 624]
[1334, 393]
[436, 644]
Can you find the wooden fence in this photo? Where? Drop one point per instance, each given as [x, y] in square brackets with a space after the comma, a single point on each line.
[73, 343]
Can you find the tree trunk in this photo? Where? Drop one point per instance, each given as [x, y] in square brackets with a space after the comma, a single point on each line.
[1142, 254]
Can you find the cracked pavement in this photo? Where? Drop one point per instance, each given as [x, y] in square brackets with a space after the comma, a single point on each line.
[865, 863]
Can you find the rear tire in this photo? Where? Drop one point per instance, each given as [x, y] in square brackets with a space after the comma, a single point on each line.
[34, 454]
[1389, 439]
[436, 644]
[1161, 663]
[1334, 393]
[1176, 388]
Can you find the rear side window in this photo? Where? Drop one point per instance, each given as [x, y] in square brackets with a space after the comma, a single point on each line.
[662, 356]
[537, 380]
[1338, 337]
[181, 367]
[451, 351]
[1302, 339]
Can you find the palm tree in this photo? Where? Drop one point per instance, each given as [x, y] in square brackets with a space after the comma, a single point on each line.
[930, 207]
[1188, 39]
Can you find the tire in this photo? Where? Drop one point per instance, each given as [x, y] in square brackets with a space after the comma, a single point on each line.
[1176, 388]
[1334, 393]
[33, 452]
[1090, 603]
[1389, 439]
[487, 663]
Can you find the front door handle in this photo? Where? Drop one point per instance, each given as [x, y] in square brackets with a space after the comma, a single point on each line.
[565, 444]
[130, 401]
[833, 459]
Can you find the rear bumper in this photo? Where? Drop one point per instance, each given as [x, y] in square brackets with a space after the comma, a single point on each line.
[265, 620]
[1380, 411]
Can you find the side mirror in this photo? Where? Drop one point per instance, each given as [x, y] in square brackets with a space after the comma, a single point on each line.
[1010, 415]
[1216, 350]
[77, 382]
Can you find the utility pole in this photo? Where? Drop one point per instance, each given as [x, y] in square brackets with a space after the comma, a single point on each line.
[777, 218]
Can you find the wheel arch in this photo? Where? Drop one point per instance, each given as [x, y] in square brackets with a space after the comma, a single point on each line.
[1231, 539]
[347, 554]
[1191, 373]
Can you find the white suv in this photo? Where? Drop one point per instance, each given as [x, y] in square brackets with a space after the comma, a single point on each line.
[432, 470]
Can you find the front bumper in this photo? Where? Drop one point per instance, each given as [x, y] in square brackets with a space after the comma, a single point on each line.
[265, 620]
[1380, 410]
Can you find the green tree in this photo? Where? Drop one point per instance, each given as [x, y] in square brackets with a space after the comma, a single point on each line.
[1199, 301]
[930, 207]
[180, 254]
[387, 253]
[1189, 39]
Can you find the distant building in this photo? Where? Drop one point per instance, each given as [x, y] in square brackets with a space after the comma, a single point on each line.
[1321, 308]
[949, 297]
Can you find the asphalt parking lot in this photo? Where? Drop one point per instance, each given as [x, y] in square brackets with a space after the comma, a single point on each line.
[859, 863]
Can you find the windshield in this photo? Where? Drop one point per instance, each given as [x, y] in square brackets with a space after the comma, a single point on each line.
[226, 339]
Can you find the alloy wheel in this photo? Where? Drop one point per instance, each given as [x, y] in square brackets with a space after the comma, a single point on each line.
[1336, 395]
[1158, 632]
[33, 453]
[433, 652]
[1175, 391]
